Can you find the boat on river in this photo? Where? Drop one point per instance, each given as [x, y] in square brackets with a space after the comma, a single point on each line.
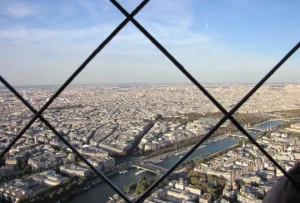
[201, 146]
[157, 161]
[87, 187]
[123, 172]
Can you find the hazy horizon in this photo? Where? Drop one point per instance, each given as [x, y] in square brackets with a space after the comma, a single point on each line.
[146, 84]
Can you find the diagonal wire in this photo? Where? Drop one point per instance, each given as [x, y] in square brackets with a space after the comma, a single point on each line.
[46, 122]
[71, 78]
[227, 115]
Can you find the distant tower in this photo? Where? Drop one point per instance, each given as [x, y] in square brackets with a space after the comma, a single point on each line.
[231, 179]
[35, 140]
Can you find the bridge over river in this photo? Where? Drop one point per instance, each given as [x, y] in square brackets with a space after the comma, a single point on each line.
[257, 129]
[150, 167]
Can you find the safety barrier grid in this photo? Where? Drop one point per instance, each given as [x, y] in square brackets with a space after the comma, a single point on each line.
[227, 115]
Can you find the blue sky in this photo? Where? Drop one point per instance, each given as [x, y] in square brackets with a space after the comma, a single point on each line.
[43, 42]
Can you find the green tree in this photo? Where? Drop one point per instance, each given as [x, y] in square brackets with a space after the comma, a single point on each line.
[149, 182]
[130, 187]
[140, 188]
[126, 189]
[194, 180]
[192, 173]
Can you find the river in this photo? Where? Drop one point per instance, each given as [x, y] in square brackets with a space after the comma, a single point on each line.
[101, 192]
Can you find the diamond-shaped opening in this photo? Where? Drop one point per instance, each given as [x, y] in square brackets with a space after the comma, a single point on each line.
[128, 107]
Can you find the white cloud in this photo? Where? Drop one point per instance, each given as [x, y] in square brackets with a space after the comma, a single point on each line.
[20, 10]
[14, 33]
[37, 34]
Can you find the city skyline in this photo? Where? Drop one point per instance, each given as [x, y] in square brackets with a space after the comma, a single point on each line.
[148, 84]
[227, 42]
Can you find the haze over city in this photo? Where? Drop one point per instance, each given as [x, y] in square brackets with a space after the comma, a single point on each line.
[235, 41]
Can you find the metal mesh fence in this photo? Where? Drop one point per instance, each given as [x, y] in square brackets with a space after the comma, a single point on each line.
[227, 115]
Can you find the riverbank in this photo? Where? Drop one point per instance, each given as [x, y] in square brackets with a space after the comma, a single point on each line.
[187, 165]
[182, 151]
[92, 181]
[92, 194]
[173, 151]
[121, 180]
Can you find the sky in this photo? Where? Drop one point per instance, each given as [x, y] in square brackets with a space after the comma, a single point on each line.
[42, 42]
